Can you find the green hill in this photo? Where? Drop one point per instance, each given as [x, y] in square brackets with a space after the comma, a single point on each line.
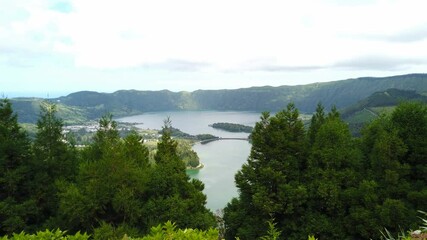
[371, 107]
[344, 93]
[28, 110]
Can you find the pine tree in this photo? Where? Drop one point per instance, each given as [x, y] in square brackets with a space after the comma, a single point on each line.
[333, 170]
[54, 160]
[270, 183]
[410, 121]
[389, 196]
[316, 122]
[171, 194]
[106, 138]
[15, 206]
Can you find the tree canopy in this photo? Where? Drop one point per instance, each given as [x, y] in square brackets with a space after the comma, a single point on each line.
[297, 181]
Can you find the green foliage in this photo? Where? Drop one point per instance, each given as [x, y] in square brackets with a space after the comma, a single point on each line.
[171, 192]
[16, 207]
[186, 153]
[270, 183]
[54, 160]
[47, 234]
[421, 233]
[232, 127]
[111, 182]
[322, 182]
[335, 187]
[272, 233]
[168, 230]
[108, 231]
[317, 120]
[333, 168]
[202, 137]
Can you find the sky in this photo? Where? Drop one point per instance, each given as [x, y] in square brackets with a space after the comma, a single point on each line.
[55, 47]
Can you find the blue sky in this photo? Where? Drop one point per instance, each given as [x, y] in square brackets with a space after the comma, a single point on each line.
[53, 48]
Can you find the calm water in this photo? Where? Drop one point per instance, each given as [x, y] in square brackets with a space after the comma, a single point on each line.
[222, 159]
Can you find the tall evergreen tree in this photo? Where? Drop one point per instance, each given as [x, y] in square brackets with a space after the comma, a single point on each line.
[270, 183]
[171, 194]
[333, 169]
[410, 121]
[54, 160]
[15, 206]
[106, 138]
[316, 122]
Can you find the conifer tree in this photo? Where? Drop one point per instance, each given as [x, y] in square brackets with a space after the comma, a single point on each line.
[379, 199]
[316, 122]
[333, 169]
[15, 204]
[106, 138]
[54, 160]
[171, 194]
[110, 188]
[410, 122]
[271, 182]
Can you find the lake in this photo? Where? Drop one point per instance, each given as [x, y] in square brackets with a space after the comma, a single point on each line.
[222, 159]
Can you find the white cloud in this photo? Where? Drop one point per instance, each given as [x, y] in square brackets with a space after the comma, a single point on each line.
[216, 37]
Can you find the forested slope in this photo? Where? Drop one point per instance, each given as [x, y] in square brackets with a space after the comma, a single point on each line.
[92, 105]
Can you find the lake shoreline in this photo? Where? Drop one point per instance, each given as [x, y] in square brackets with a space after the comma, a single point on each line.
[198, 167]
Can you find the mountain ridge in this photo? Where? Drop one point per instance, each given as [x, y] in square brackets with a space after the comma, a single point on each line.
[341, 93]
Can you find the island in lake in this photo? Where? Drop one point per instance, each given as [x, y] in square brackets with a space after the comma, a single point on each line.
[232, 127]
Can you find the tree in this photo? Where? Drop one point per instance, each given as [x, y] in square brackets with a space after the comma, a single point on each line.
[333, 169]
[410, 121]
[385, 198]
[106, 138]
[55, 160]
[270, 183]
[15, 154]
[316, 122]
[111, 185]
[171, 194]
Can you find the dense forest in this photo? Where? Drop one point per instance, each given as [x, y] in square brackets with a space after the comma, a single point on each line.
[107, 189]
[322, 181]
[297, 181]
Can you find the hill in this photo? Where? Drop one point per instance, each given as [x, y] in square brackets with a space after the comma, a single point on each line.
[344, 93]
[380, 102]
[28, 110]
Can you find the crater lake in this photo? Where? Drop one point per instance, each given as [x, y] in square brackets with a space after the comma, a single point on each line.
[221, 159]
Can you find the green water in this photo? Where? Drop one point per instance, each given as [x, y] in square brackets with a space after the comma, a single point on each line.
[222, 159]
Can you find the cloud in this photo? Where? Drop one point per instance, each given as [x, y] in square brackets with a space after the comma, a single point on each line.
[178, 65]
[379, 63]
[278, 68]
[273, 65]
[411, 35]
[213, 40]
[222, 34]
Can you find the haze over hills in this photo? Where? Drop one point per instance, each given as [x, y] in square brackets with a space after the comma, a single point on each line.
[81, 106]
